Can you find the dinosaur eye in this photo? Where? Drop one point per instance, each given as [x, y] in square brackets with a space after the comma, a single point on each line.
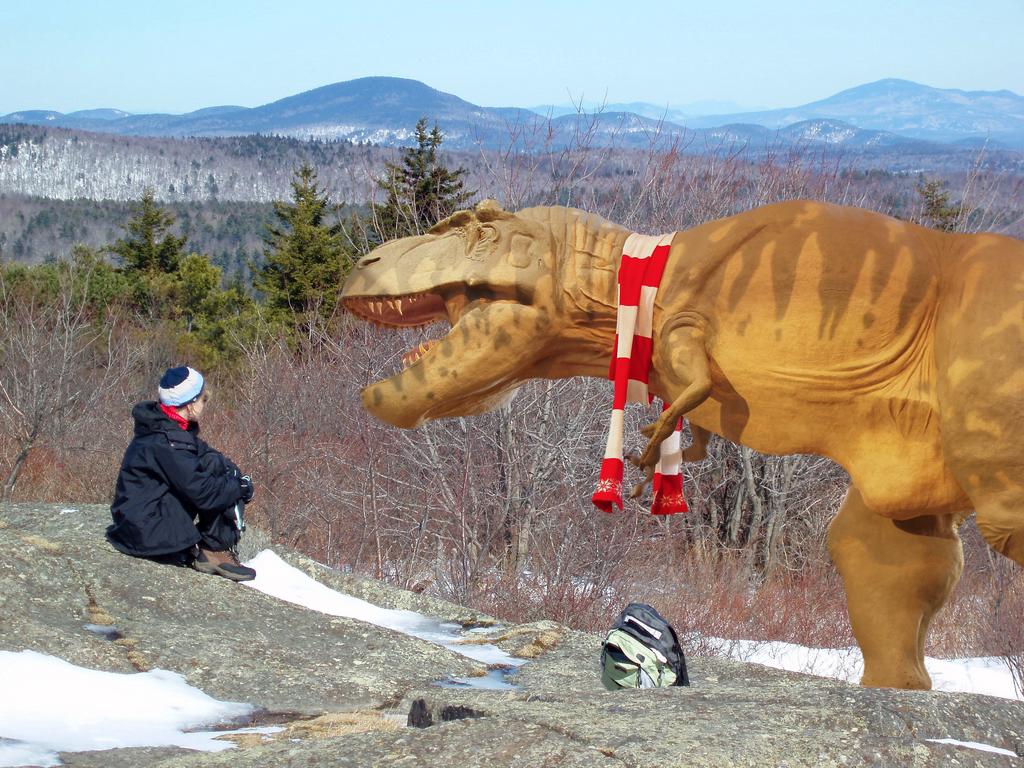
[519, 253]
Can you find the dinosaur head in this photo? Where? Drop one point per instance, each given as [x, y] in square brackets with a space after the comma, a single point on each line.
[488, 273]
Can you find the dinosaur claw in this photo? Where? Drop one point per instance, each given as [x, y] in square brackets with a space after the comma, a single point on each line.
[650, 455]
[648, 458]
[656, 434]
[638, 461]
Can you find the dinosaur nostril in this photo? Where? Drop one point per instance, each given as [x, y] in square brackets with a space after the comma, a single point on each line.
[367, 261]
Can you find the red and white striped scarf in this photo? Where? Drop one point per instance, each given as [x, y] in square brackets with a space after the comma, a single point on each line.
[643, 262]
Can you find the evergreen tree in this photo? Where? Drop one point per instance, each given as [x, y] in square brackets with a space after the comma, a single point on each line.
[306, 259]
[199, 280]
[937, 211]
[103, 284]
[420, 191]
[176, 292]
[149, 247]
[212, 320]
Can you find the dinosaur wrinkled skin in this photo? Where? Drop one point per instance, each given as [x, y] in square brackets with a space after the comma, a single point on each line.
[800, 327]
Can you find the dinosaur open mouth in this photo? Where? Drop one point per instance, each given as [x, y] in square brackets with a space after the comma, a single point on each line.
[471, 367]
[409, 311]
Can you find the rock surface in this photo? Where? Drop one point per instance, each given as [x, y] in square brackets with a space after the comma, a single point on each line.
[58, 574]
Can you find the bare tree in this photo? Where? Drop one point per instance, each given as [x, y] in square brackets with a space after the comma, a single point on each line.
[57, 361]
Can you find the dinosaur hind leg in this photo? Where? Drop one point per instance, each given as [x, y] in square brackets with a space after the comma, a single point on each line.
[897, 575]
[1001, 519]
[982, 449]
[988, 464]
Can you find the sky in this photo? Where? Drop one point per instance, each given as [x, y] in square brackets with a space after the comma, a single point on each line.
[176, 57]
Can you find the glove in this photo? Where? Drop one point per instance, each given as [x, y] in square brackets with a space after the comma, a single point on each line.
[245, 484]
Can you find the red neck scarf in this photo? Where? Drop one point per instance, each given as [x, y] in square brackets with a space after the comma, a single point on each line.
[173, 415]
[643, 262]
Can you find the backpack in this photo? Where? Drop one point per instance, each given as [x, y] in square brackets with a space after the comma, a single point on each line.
[642, 651]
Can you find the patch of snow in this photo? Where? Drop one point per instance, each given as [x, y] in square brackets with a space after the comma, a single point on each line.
[277, 578]
[61, 707]
[15, 753]
[492, 681]
[987, 675]
[68, 511]
[265, 730]
[107, 631]
[333, 131]
[975, 745]
[837, 663]
[827, 132]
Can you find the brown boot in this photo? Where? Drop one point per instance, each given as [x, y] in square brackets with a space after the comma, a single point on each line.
[224, 564]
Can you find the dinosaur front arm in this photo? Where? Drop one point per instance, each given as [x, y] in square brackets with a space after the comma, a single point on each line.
[683, 365]
[697, 450]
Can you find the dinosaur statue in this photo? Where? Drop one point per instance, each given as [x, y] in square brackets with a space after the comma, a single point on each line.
[800, 327]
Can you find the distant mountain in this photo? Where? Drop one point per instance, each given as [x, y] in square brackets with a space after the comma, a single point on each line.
[100, 114]
[679, 113]
[906, 109]
[384, 110]
[712, 107]
[643, 109]
[832, 133]
[378, 110]
[38, 117]
[214, 111]
[381, 110]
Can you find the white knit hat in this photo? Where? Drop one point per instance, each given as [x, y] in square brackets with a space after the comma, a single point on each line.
[180, 386]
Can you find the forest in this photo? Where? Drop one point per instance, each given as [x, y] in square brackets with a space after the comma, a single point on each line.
[97, 297]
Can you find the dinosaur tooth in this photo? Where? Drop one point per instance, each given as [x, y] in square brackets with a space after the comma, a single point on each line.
[410, 357]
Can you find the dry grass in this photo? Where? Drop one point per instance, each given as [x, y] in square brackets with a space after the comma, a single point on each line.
[324, 727]
[44, 545]
[541, 644]
[131, 652]
[339, 724]
[544, 637]
[98, 615]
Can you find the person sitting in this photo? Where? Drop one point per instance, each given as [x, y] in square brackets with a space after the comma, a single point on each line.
[175, 499]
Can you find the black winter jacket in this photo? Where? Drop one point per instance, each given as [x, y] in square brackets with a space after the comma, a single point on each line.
[167, 478]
